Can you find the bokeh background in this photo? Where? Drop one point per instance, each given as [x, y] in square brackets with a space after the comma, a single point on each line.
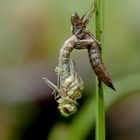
[31, 35]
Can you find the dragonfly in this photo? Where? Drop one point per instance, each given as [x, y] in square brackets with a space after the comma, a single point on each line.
[79, 30]
[70, 85]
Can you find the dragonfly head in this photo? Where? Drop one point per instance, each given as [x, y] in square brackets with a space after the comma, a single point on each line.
[67, 107]
[77, 24]
[75, 19]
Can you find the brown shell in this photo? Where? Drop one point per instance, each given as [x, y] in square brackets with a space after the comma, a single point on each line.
[98, 65]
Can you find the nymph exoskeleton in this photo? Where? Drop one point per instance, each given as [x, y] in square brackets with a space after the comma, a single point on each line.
[79, 30]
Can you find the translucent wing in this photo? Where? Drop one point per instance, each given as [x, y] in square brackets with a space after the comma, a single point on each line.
[73, 69]
[75, 73]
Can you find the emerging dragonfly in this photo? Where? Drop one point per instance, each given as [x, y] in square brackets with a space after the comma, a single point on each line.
[79, 30]
[70, 85]
[69, 91]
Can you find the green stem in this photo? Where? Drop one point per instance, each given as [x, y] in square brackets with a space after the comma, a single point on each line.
[100, 109]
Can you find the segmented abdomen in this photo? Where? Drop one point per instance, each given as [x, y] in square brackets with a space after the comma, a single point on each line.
[98, 65]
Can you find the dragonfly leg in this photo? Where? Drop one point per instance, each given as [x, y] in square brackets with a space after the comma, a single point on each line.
[97, 41]
[84, 43]
[53, 86]
[87, 16]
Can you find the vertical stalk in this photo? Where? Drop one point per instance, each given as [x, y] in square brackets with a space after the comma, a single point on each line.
[100, 111]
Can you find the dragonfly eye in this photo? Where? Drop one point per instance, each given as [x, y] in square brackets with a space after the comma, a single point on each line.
[75, 19]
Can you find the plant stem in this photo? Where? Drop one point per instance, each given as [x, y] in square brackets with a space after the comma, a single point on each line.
[100, 110]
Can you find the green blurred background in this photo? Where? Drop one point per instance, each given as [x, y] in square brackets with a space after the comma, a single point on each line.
[31, 35]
